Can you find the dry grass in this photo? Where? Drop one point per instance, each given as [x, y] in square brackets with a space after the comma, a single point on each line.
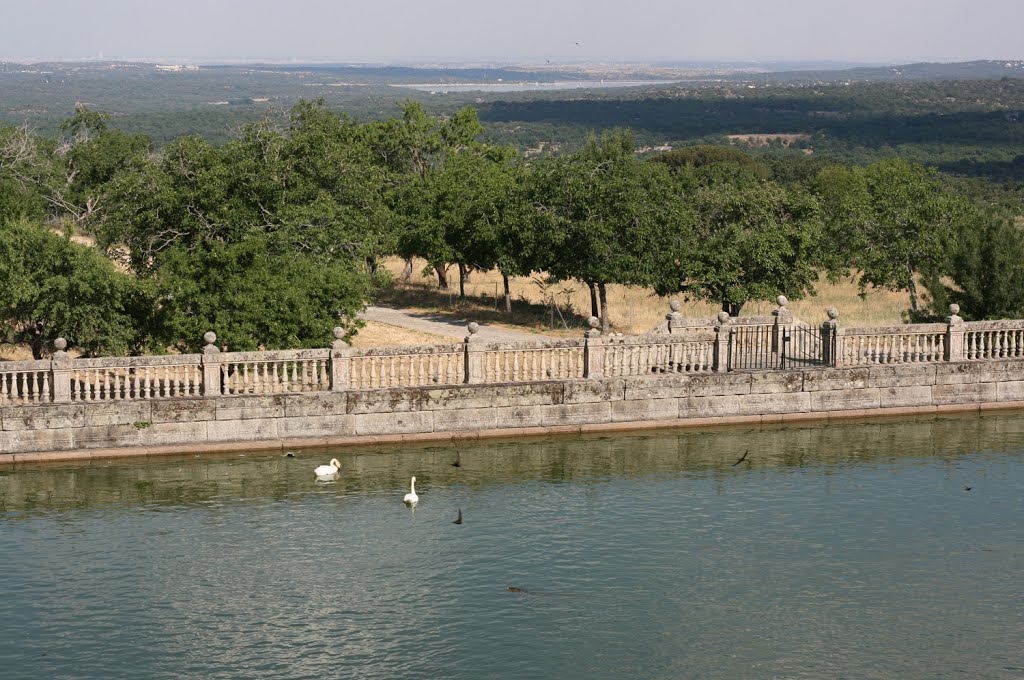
[632, 309]
[376, 334]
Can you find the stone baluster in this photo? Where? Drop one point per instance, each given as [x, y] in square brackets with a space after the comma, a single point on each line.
[783, 322]
[595, 350]
[674, 318]
[341, 361]
[723, 329]
[60, 373]
[831, 339]
[211, 366]
[955, 329]
[474, 355]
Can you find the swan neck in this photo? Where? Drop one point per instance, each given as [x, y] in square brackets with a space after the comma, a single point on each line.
[412, 485]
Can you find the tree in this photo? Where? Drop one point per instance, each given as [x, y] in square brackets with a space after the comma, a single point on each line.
[55, 288]
[896, 221]
[753, 240]
[986, 270]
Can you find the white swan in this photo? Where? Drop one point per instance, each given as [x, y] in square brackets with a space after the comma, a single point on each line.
[328, 470]
[411, 498]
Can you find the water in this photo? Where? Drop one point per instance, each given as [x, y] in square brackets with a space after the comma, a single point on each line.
[846, 551]
[445, 88]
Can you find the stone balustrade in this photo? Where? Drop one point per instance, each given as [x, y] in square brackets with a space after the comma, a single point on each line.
[677, 346]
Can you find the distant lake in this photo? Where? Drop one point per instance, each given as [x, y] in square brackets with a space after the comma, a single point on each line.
[444, 88]
[834, 550]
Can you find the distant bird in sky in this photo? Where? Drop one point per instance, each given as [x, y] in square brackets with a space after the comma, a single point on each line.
[459, 519]
[742, 458]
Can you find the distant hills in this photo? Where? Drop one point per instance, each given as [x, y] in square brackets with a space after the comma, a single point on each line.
[966, 70]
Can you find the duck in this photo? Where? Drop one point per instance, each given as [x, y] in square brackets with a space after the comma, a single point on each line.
[328, 470]
[411, 498]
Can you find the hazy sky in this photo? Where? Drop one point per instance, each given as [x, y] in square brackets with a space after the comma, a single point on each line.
[466, 30]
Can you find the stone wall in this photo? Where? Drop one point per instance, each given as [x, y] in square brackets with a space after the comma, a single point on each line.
[329, 418]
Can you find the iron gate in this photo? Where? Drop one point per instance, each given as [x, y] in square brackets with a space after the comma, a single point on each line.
[766, 347]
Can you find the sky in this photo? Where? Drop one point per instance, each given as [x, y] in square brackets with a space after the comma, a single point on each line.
[870, 31]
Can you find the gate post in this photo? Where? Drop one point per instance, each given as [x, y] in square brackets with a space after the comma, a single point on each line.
[722, 339]
[674, 318]
[60, 373]
[474, 355]
[593, 350]
[211, 366]
[341, 360]
[829, 331]
[954, 335]
[783, 320]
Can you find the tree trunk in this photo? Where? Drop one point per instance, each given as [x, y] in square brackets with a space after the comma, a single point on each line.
[407, 269]
[463, 275]
[372, 264]
[508, 293]
[606, 323]
[442, 277]
[594, 309]
[915, 307]
[38, 347]
[732, 308]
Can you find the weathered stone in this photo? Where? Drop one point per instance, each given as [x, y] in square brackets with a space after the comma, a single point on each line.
[316, 404]
[317, 426]
[644, 409]
[22, 441]
[1010, 391]
[835, 400]
[517, 416]
[918, 395]
[836, 379]
[183, 410]
[902, 375]
[241, 430]
[575, 414]
[744, 404]
[394, 423]
[118, 413]
[43, 417]
[718, 385]
[963, 393]
[771, 382]
[464, 419]
[582, 392]
[251, 407]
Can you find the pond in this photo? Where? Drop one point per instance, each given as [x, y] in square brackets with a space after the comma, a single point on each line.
[846, 550]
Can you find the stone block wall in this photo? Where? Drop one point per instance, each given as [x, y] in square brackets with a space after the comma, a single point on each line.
[103, 429]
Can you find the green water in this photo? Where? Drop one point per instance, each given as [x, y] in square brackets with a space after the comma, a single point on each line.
[841, 551]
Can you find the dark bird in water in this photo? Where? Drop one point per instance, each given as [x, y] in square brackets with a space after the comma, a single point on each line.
[967, 488]
[742, 458]
[513, 589]
[458, 520]
[458, 459]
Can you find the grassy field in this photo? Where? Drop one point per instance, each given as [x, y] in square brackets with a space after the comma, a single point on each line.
[561, 309]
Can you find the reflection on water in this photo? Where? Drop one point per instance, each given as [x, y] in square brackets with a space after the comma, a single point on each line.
[847, 550]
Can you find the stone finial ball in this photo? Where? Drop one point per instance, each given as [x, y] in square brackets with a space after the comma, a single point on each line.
[954, 309]
[338, 332]
[60, 344]
[833, 313]
[209, 337]
[473, 327]
[782, 301]
[723, 317]
[675, 306]
[593, 322]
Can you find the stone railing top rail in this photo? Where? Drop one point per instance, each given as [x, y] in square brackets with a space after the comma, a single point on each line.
[997, 325]
[404, 350]
[696, 335]
[138, 361]
[526, 345]
[24, 365]
[906, 329]
[274, 355]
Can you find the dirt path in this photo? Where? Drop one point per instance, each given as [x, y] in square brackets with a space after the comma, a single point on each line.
[440, 325]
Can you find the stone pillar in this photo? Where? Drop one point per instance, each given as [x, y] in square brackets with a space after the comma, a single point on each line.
[211, 366]
[954, 334]
[723, 329]
[594, 350]
[60, 372]
[783, 322]
[341, 361]
[674, 318]
[474, 355]
[830, 338]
